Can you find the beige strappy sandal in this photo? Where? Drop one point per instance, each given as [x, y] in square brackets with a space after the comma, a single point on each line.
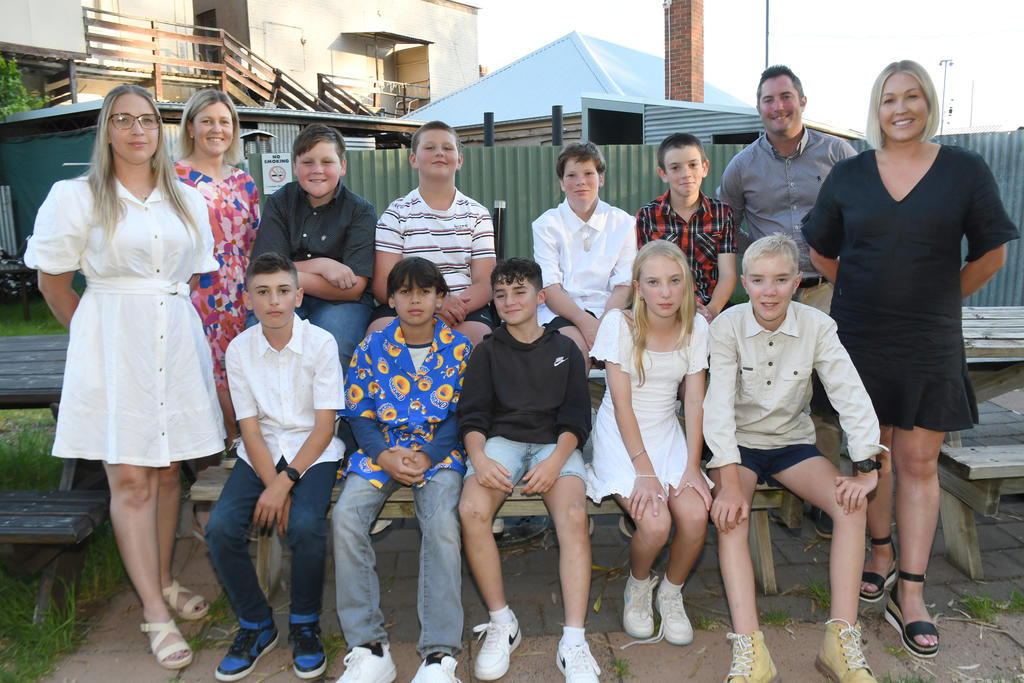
[195, 607]
[165, 630]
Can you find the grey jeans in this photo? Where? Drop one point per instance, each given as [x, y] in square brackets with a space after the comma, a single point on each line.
[439, 599]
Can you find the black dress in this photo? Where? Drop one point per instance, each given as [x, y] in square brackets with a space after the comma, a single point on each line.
[897, 296]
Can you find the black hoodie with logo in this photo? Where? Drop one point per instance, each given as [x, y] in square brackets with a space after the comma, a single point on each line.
[529, 393]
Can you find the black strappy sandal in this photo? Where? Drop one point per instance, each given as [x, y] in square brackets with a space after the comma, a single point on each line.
[894, 615]
[881, 583]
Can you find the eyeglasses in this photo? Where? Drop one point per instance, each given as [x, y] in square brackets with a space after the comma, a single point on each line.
[125, 121]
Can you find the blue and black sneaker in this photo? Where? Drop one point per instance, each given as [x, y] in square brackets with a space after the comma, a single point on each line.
[251, 643]
[308, 659]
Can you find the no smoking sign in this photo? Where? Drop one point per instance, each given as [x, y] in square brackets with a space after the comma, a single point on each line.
[277, 172]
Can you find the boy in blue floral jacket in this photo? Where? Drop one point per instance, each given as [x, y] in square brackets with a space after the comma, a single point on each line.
[403, 386]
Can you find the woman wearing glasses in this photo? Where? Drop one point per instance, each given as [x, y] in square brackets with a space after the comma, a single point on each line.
[138, 388]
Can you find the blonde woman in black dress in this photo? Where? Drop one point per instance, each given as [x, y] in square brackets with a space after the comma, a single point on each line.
[887, 230]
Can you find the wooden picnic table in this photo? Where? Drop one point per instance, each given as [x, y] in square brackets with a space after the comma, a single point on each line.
[32, 370]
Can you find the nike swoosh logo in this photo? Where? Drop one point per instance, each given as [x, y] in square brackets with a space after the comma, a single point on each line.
[559, 361]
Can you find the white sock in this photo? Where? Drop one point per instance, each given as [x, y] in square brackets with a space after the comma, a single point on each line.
[667, 586]
[642, 582]
[503, 615]
[573, 637]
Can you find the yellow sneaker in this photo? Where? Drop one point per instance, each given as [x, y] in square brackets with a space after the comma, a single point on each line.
[751, 662]
[841, 659]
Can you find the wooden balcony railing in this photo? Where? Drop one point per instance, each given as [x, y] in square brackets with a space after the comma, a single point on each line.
[196, 55]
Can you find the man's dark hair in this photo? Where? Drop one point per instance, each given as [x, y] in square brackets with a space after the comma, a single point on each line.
[313, 134]
[270, 262]
[514, 270]
[579, 152]
[676, 141]
[780, 70]
[416, 271]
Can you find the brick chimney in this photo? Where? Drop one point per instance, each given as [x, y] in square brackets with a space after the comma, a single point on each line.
[684, 50]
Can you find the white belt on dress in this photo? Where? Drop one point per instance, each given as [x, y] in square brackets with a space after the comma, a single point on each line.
[137, 285]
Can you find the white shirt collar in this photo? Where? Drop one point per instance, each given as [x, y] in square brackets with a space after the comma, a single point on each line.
[123, 193]
[294, 344]
[569, 218]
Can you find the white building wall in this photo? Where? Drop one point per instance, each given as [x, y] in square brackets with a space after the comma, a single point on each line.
[46, 24]
[303, 37]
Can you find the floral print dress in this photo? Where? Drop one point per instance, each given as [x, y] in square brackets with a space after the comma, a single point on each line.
[234, 217]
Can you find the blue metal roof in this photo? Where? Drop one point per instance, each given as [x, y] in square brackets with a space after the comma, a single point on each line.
[557, 74]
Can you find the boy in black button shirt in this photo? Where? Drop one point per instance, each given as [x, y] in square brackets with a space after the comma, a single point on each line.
[328, 231]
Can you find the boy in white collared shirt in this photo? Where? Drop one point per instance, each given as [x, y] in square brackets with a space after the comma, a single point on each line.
[585, 248]
[756, 422]
[286, 387]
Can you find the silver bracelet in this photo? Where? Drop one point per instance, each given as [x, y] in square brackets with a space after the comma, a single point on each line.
[637, 454]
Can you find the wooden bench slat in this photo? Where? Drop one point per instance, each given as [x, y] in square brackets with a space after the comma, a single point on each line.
[987, 462]
[58, 529]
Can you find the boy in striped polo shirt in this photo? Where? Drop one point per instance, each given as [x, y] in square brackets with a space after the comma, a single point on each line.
[439, 223]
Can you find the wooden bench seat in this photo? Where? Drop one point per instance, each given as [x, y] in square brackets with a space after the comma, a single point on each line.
[210, 483]
[973, 479]
[46, 530]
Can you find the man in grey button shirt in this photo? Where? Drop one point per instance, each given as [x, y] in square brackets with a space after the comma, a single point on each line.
[770, 186]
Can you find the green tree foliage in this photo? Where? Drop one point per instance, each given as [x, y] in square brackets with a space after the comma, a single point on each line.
[13, 95]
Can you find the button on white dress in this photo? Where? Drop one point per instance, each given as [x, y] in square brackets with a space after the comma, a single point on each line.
[138, 384]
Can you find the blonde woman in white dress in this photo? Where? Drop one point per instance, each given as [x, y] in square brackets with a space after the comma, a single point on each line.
[138, 389]
[655, 355]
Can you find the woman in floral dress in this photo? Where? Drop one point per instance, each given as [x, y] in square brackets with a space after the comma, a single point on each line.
[209, 144]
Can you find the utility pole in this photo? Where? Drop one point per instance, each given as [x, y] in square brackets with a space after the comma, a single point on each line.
[945, 64]
[767, 15]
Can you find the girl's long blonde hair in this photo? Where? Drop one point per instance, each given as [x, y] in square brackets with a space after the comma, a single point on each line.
[638, 309]
[107, 208]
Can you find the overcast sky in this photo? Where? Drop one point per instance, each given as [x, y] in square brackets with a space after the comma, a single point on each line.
[837, 48]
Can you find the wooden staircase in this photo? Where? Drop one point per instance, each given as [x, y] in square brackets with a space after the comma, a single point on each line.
[165, 55]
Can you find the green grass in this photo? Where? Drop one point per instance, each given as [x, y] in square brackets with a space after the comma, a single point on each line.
[620, 668]
[13, 323]
[776, 617]
[216, 629]
[984, 608]
[26, 437]
[705, 623]
[906, 679]
[29, 651]
[818, 590]
[981, 607]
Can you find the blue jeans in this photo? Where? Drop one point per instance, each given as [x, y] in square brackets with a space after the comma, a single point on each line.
[439, 599]
[226, 537]
[345, 320]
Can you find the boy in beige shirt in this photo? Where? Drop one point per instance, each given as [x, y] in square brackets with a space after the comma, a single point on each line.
[757, 425]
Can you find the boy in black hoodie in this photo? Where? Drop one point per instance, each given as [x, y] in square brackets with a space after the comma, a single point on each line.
[523, 414]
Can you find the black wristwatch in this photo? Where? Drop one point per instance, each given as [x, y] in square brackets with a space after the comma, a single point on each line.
[292, 473]
[865, 466]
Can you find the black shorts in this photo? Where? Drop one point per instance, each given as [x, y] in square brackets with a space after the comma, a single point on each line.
[767, 462]
[558, 322]
[480, 315]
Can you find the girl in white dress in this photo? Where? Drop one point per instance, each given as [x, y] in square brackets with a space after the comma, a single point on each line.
[138, 389]
[655, 354]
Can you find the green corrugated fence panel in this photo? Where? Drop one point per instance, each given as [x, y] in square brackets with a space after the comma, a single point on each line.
[524, 177]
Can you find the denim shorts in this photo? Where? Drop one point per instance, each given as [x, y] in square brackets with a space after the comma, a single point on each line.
[518, 458]
[767, 462]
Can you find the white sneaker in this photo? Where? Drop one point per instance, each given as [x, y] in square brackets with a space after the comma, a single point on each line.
[499, 640]
[362, 666]
[637, 612]
[442, 672]
[578, 665]
[675, 625]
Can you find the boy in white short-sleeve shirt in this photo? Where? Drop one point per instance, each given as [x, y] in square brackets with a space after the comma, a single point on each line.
[585, 248]
[286, 387]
